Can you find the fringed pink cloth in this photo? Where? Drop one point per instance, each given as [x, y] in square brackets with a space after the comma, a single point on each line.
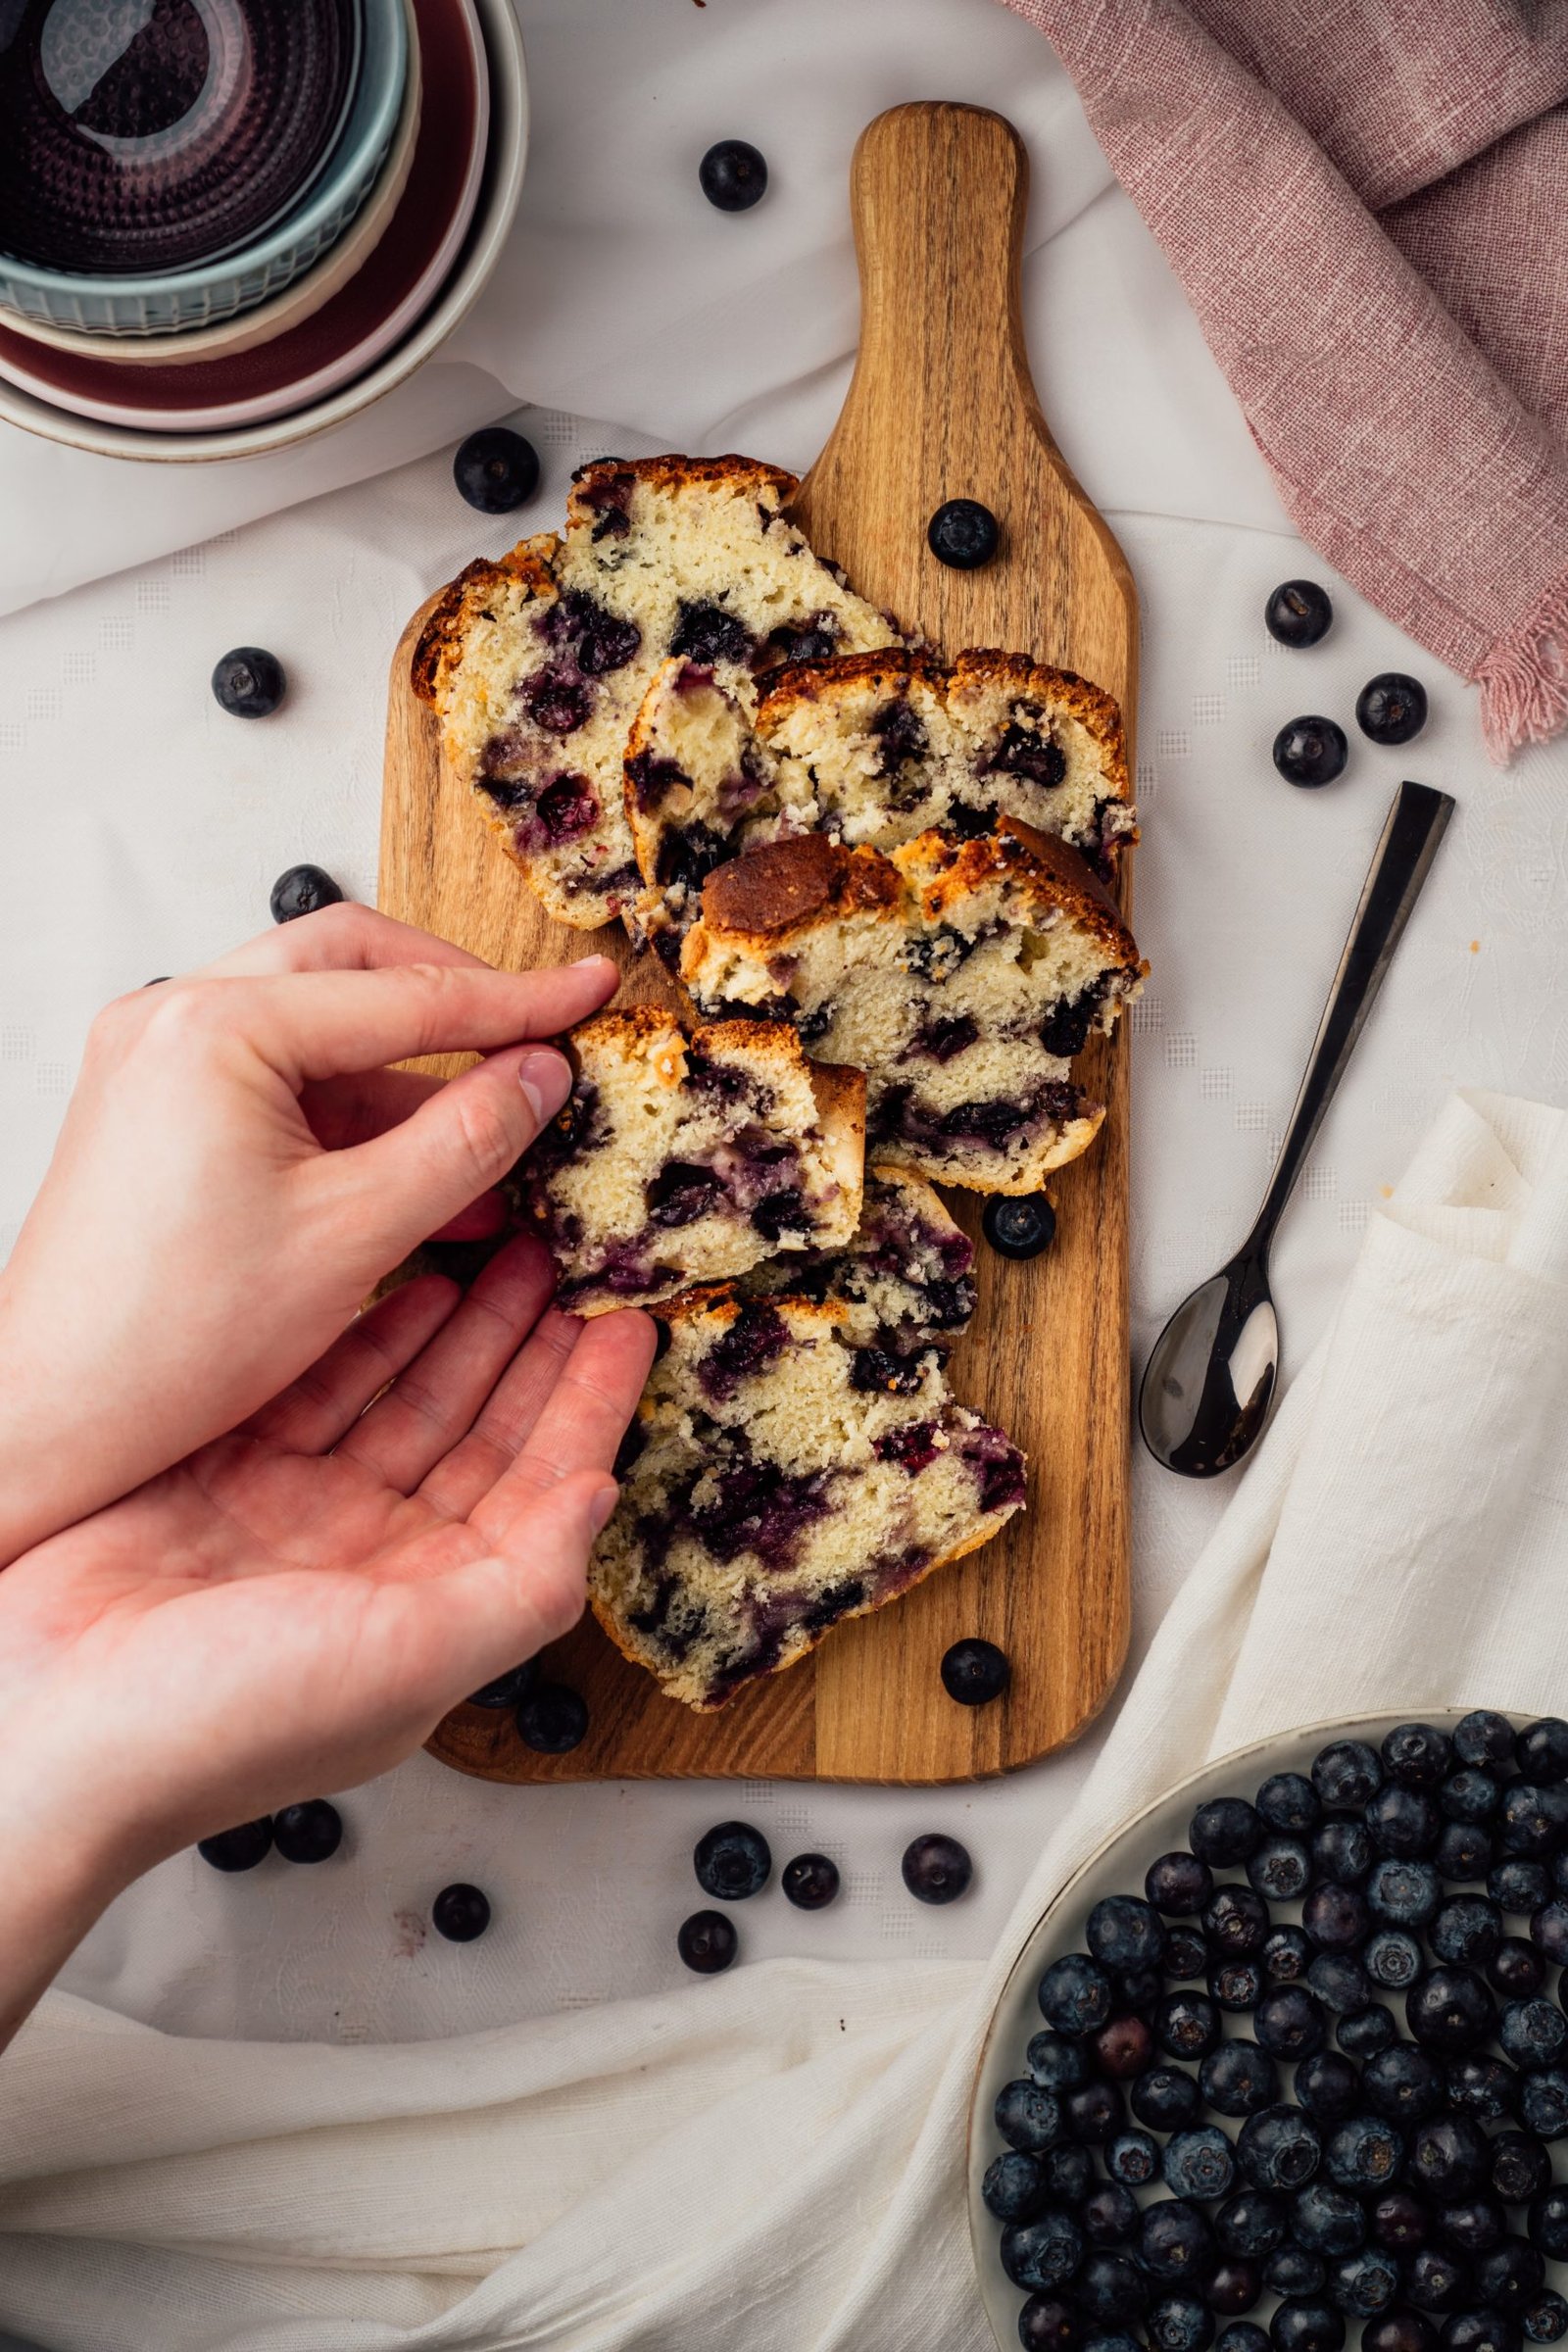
[1367, 203]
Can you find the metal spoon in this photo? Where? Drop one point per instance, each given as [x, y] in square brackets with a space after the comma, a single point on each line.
[1212, 1374]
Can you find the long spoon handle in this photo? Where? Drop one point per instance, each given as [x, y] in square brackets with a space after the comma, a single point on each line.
[1400, 866]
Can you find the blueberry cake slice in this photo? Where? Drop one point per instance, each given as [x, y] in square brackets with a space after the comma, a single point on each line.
[538, 664]
[684, 1158]
[776, 1481]
[908, 1268]
[962, 977]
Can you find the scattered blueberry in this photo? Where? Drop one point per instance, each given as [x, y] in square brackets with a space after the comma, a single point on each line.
[507, 1690]
[1298, 614]
[963, 535]
[239, 1849]
[1018, 1225]
[307, 1832]
[302, 890]
[460, 1913]
[1179, 1885]
[974, 1672]
[1391, 708]
[733, 176]
[249, 682]
[496, 469]
[810, 1882]
[732, 1861]
[553, 1720]
[706, 1943]
[1310, 750]
[938, 1870]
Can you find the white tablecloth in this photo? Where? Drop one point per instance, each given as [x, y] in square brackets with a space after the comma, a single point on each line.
[143, 829]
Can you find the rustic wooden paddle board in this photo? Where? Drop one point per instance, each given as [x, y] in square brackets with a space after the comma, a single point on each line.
[941, 406]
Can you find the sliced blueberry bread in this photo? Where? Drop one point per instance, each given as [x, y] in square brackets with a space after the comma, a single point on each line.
[962, 977]
[774, 1483]
[907, 1269]
[538, 664]
[872, 749]
[686, 1158]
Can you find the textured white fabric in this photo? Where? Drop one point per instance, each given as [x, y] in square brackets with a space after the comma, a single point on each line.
[776, 2159]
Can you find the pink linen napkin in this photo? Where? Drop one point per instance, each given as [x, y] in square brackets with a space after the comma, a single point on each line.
[1367, 203]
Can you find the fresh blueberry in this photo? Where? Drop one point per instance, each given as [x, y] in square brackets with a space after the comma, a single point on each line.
[302, 890]
[1544, 2318]
[1233, 2285]
[732, 1861]
[1470, 1794]
[1533, 1819]
[1364, 2153]
[1464, 1852]
[1300, 2325]
[1548, 1931]
[1403, 2084]
[810, 1882]
[1510, 2276]
[1252, 2225]
[1327, 2087]
[1200, 2163]
[1392, 1959]
[1450, 2011]
[1402, 1822]
[1238, 2079]
[963, 535]
[1298, 614]
[1532, 2032]
[1391, 708]
[1075, 1994]
[1548, 2223]
[1066, 2174]
[1347, 1774]
[1335, 1918]
[1483, 2087]
[1474, 2226]
[1544, 1750]
[938, 1870]
[1187, 2025]
[249, 682]
[1179, 1885]
[307, 1832]
[1399, 2331]
[1467, 1930]
[1516, 1968]
[1286, 1956]
[1435, 2280]
[1486, 1739]
[1109, 2216]
[552, 1719]
[1326, 2221]
[1056, 2063]
[1225, 1831]
[1010, 2188]
[974, 1672]
[1293, 2271]
[706, 1943]
[1518, 1888]
[1110, 2290]
[1290, 2023]
[1137, 1990]
[733, 176]
[1365, 2285]
[1416, 1755]
[1520, 2168]
[507, 1690]
[1341, 1850]
[1175, 2241]
[1133, 2159]
[1179, 2324]
[1448, 2157]
[1241, 2336]
[1544, 2102]
[1281, 1869]
[1367, 2031]
[1234, 1922]
[1047, 2324]
[1094, 2113]
[239, 1849]
[1123, 2048]
[1310, 750]
[1405, 1894]
[1044, 2252]
[1236, 1985]
[1399, 2222]
[1018, 1225]
[460, 1913]
[1186, 1955]
[496, 469]
[1028, 2117]
[1287, 1803]
[1166, 2099]
[1480, 2331]
[1280, 2148]
[1340, 1982]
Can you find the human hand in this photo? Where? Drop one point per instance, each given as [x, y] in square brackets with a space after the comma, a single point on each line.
[295, 1606]
[236, 1170]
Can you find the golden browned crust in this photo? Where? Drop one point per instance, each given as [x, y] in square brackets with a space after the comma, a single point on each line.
[840, 1095]
[945, 871]
[809, 879]
[890, 667]
[1062, 690]
[439, 647]
[746, 477]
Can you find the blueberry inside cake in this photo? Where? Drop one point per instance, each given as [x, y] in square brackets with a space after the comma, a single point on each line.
[962, 977]
[776, 1482]
[684, 1158]
[906, 1270]
[872, 749]
[538, 664]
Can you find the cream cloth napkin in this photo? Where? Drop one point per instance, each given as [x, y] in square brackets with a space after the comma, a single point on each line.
[775, 2160]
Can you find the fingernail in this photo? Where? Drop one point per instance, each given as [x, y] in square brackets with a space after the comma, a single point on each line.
[587, 960]
[602, 1508]
[546, 1079]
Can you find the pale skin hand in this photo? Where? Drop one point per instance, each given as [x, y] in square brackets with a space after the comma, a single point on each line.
[292, 1606]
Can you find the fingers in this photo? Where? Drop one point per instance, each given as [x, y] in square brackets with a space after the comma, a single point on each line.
[431, 1407]
[457, 1484]
[311, 1415]
[343, 938]
[579, 1426]
[343, 1111]
[321, 1024]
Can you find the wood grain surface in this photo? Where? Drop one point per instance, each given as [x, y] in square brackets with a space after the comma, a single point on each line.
[941, 406]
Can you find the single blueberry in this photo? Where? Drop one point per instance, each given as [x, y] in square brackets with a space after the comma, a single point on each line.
[1335, 1918]
[1123, 2048]
[1448, 2157]
[937, 1869]
[1236, 1984]
[1340, 1982]
[1519, 2168]
[302, 890]
[1416, 1755]
[1548, 1931]
[1392, 1959]
[1517, 1886]
[1347, 1774]
[1056, 2063]
[1403, 2084]
[1186, 1955]
[1405, 1893]
[1293, 2271]
[963, 535]
[1066, 2174]
[249, 682]
[460, 1913]
[1483, 2087]
[1366, 2031]
[1310, 750]
[1010, 2188]
[1473, 2227]
[1544, 1750]
[1187, 2025]
[1391, 708]
[1532, 1818]
[1018, 1225]
[1124, 1932]
[1544, 2102]
[1225, 1831]
[1094, 2113]
[1166, 2099]
[1288, 1805]
[1516, 1968]
[507, 1689]
[307, 1832]
[1111, 2289]
[974, 1672]
[553, 1720]
[733, 176]
[1235, 1922]
[1481, 2330]
[1326, 2221]
[1047, 2324]
[1281, 1869]
[1464, 1851]
[1327, 2087]
[1133, 2159]
[1341, 1850]
[1233, 2285]
[1450, 2011]
[732, 1861]
[1435, 2280]
[1290, 2023]
[1511, 2275]
[1298, 614]
[1470, 1794]
[1544, 2318]
[1399, 2222]
[1286, 1955]
[1365, 2285]
[1364, 2153]
[1028, 2117]
[810, 1882]
[1300, 2325]
[1486, 1739]
[1402, 1820]
[239, 1849]
[1280, 2148]
[706, 1943]
[1399, 2331]
[1467, 1930]
[1179, 2324]
[1075, 1994]
[1179, 1885]
[1238, 2079]
[1175, 2242]
[1548, 2223]
[1109, 2216]
[1241, 2336]
[1532, 2032]
[1252, 2224]
[496, 469]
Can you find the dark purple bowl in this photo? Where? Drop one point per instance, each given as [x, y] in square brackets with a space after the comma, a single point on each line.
[140, 136]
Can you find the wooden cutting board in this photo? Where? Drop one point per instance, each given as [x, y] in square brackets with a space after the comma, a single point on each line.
[941, 406]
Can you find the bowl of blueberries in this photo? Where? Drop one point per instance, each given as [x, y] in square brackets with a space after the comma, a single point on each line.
[1284, 2065]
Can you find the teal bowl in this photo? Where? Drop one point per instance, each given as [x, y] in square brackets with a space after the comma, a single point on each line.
[312, 215]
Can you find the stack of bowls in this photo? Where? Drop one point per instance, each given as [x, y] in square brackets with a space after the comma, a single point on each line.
[228, 224]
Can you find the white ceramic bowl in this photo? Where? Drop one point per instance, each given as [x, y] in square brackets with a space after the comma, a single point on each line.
[500, 191]
[1117, 1868]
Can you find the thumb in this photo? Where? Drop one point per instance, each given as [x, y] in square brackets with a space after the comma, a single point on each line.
[401, 1186]
[493, 1612]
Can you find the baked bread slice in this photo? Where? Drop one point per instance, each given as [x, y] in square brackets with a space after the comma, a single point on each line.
[685, 1157]
[872, 749]
[908, 1268]
[960, 976]
[774, 1483]
[537, 664]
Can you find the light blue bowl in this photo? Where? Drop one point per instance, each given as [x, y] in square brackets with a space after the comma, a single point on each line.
[220, 289]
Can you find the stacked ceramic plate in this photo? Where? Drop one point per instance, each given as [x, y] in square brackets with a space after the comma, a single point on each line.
[228, 224]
